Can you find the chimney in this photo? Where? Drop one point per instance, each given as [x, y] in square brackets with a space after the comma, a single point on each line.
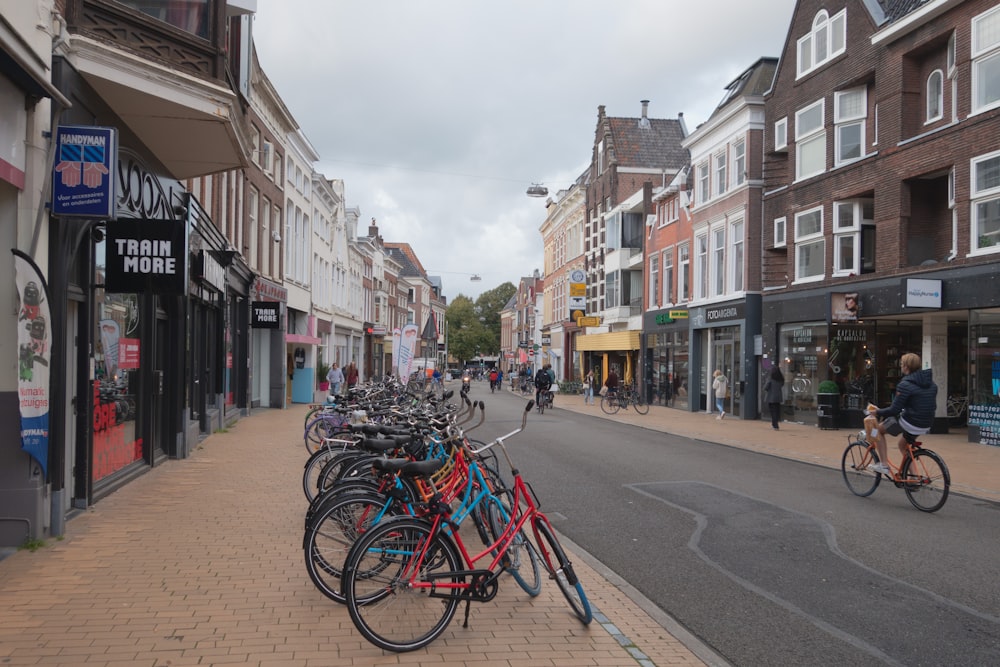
[373, 229]
[644, 121]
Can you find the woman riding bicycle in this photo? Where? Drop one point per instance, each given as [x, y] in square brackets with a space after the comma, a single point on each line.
[912, 410]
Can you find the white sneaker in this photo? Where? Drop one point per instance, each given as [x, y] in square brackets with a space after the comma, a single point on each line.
[880, 468]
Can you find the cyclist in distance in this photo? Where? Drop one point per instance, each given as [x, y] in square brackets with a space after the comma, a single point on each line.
[543, 382]
[912, 410]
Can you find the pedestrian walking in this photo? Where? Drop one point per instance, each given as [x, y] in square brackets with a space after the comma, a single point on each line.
[335, 377]
[720, 386]
[588, 388]
[773, 395]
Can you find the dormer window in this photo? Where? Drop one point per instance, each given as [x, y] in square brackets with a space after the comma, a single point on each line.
[826, 41]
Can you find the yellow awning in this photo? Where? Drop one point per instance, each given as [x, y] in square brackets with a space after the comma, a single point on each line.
[605, 342]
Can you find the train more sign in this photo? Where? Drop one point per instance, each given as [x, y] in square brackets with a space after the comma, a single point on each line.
[146, 256]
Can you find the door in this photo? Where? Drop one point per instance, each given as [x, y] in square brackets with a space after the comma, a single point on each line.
[726, 357]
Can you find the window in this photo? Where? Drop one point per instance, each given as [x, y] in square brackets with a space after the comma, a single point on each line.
[985, 188]
[720, 173]
[654, 281]
[613, 230]
[935, 96]
[850, 109]
[986, 60]
[190, 15]
[739, 162]
[267, 157]
[810, 247]
[810, 141]
[668, 277]
[781, 134]
[683, 273]
[826, 40]
[779, 233]
[851, 252]
[253, 231]
[703, 183]
[736, 258]
[600, 157]
[611, 290]
[701, 266]
[718, 269]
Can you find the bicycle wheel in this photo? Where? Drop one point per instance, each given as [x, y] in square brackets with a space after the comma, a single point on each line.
[854, 466]
[521, 559]
[926, 480]
[320, 428]
[610, 404]
[331, 534]
[561, 569]
[641, 406]
[403, 583]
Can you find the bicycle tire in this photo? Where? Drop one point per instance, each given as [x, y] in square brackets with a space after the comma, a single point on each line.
[610, 404]
[561, 569]
[332, 533]
[521, 559]
[314, 466]
[641, 406]
[926, 480]
[384, 608]
[854, 466]
[321, 428]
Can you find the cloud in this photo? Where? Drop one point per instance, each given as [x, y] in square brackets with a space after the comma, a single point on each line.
[439, 114]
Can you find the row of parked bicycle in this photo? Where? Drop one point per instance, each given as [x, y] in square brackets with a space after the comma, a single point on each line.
[396, 490]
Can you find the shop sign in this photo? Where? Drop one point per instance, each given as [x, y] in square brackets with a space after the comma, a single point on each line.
[265, 315]
[83, 175]
[923, 293]
[147, 256]
[734, 312]
[589, 321]
[34, 354]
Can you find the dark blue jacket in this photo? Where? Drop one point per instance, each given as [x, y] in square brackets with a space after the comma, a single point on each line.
[915, 399]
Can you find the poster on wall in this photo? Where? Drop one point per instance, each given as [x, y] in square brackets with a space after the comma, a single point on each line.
[34, 356]
[844, 307]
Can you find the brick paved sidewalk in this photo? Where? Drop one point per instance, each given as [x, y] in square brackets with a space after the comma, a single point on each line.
[199, 562]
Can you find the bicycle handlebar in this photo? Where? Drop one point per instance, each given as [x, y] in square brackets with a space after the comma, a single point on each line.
[502, 438]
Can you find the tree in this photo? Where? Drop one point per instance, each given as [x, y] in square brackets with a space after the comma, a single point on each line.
[475, 327]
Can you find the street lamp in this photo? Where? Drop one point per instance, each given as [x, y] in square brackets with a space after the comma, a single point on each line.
[537, 190]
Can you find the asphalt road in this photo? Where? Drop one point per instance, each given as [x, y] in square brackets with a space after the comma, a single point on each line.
[768, 561]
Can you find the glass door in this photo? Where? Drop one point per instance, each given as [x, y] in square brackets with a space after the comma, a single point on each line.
[726, 358]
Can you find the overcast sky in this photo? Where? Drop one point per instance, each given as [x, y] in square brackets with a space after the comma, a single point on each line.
[438, 114]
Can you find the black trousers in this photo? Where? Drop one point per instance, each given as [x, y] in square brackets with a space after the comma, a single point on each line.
[775, 413]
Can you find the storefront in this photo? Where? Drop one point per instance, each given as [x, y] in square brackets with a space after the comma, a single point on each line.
[618, 350]
[983, 403]
[267, 344]
[855, 337]
[723, 337]
[666, 358]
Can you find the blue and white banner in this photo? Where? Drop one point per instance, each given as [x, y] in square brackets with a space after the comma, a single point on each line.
[34, 344]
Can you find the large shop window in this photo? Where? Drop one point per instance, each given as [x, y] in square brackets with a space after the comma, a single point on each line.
[803, 348]
[116, 381]
[669, 366]
[984, 384]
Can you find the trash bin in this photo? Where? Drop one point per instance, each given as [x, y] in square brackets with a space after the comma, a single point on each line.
[828, 410]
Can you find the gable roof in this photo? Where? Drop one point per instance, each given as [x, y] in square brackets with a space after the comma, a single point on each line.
[654, 144]
[403, 253]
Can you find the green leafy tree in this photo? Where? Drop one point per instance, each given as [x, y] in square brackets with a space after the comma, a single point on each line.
[474, 327]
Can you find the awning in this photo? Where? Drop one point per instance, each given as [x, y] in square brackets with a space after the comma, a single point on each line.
[555, 353]
[19, 62]
[608, 342]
